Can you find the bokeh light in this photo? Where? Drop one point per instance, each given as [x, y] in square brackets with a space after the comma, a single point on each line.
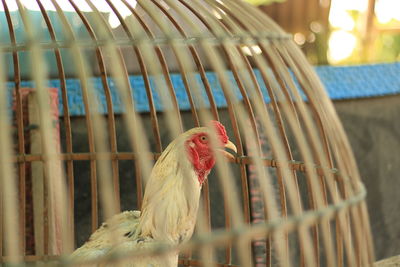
[384, 14]
[341, 45]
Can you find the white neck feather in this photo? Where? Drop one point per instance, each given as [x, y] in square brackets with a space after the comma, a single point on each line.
[171, 198]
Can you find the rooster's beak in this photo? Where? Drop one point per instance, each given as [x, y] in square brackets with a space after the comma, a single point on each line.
[228, 155]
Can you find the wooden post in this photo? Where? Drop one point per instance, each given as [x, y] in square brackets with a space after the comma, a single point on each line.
[368, 32]
[46, 218]
[37, 178]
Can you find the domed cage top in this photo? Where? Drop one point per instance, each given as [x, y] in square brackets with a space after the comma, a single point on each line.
[92, 92]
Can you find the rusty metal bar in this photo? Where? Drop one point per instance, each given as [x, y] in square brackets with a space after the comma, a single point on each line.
[181, 67]
[89, 125]
[160, 55]
[129, 99]
[143, 68]
[146, 78]
[110, 109]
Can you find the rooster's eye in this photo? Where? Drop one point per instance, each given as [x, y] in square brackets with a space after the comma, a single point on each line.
[203, 138]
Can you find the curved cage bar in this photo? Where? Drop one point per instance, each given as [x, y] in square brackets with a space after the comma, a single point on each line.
[92, 92]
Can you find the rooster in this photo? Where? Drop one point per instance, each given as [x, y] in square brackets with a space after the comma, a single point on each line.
[170, 202]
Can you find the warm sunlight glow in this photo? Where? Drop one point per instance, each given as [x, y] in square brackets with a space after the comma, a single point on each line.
[343, 38]
[341, 45]
[359, 5]
[386, 10]
[341, 19]
[11, 4]
[339, 16]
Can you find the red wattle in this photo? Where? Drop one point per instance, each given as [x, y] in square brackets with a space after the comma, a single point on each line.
[202, 167]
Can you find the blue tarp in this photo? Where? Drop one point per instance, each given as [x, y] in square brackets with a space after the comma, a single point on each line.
[341, 83]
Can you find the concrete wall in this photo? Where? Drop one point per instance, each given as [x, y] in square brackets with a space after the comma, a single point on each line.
[373, 128]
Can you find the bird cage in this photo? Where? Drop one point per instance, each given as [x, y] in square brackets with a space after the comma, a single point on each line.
[92, 92]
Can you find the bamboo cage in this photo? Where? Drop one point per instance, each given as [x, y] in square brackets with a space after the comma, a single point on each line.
[292, 196]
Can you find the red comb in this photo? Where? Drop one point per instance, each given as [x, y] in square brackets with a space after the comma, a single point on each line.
[220, 129]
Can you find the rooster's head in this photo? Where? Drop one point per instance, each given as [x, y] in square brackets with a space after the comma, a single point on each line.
[200, 148]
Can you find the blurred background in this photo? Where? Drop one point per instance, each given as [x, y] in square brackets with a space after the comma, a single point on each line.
[340, 32]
